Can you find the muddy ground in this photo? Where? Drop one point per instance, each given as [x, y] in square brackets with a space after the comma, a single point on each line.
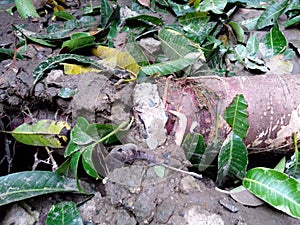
[131, 194]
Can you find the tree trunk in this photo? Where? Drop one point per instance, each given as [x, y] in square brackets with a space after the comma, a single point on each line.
[273, 107]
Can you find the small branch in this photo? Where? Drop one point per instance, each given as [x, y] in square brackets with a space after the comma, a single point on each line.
[198, 176]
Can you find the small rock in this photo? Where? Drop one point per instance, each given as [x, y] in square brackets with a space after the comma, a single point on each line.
[197, 216]
[151, 45]
[150, 113]
[165, 210]
[18, 215]
[188, 184]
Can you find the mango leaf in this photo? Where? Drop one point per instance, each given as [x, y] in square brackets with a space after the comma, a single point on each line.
[26, 9]
[275, 42]
[78, 133]
[281, 165]
[31, 36]
[112, 34]
[238, 31]
[64, 15]
[168, 67]
[179, 9]
[74, 69]
[66, 92]
[253, 63]
[194, 147]
[151, 20]
[174, 44]
[293, 167]
[9, 53]
[23, 185]
[271, 14]
[236, 116]
[71, 148]
[232, 159]
[48, 133]
[74, 163]
[216, 6]
[87, 161]
[98, 131]
[53, 61]
[58, 32]
[292, 21]
[252, 45]
[64, 213]
[105, 13]
[79, 40]
[159, 170]
[194, 18]
[113, 57]
[135, 50]
[276, 188]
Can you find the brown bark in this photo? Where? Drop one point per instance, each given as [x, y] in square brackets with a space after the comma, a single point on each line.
[273, 107]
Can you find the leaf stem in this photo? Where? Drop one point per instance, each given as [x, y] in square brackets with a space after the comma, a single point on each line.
[296, 152]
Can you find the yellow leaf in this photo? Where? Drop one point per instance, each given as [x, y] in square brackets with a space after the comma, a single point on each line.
[113, 58]
[73, 69]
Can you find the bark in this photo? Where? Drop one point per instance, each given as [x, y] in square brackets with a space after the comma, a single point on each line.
[273, 107]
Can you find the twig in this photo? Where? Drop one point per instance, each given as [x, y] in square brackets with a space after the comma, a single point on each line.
[199, 176]
[7, 149]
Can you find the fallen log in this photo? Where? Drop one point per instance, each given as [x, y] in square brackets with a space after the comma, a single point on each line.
[273, 107]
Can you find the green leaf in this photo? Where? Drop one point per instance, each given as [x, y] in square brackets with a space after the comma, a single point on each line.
[293, 167]
[78, 133]
[32, 36]
[232, 159]
[292, 21]
[252, 45]
[236, 116]
[194, 147]
[26, 9]
[159, 170]
[152, 20]
[238, 30]
[168, 67]
[275, 42]
[275, 188]
[53, 61]
[216, 6]
[66, 92]
[281, 165]
[71, 148]
[87, 161]
[48, 133]
[195, 18]
[105, 13]
[23, 185]
[174, 44]
[98, 131]
[271, 14]
[78, 43]
[74, 163]
[136, 51]
[112, 34]
[64, 213]
[64, 15]
[9, 53]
